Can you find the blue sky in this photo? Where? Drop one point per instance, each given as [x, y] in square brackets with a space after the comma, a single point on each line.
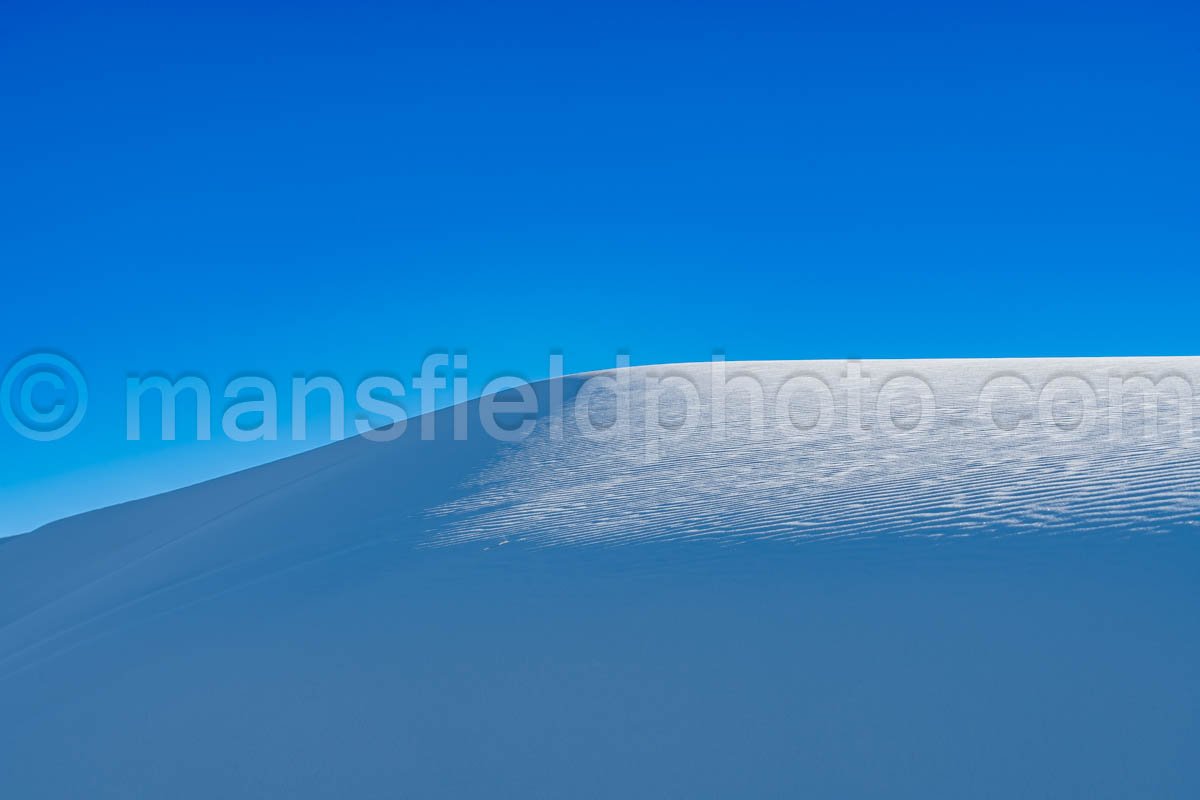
[341, 189]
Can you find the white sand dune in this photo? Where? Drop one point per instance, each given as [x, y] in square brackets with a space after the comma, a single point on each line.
[963, 600]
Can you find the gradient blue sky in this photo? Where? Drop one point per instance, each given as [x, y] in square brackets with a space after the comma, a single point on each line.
[342, 188]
